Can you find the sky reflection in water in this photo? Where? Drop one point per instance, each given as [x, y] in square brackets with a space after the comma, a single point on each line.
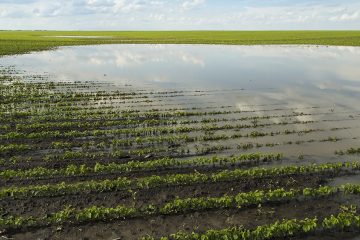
[253, 78]
[298, 74]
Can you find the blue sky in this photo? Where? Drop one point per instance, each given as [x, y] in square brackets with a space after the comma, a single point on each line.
[179, 14]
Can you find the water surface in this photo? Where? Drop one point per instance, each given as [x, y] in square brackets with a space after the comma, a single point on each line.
[322, 81]
[293, 73]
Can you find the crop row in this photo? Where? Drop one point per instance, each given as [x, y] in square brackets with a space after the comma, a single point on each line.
[142, 152]
[46, 97]
[49, 116]
[107, 154]
[10, 148]
[88, 124]
[73, 170]
[38, 110]
[124, 183]
[285, 229]
[108, 150]
[34, 110]
[65, 146]
[115, 144]
[241, 200]
[16, 111]
[19, 92]
[71, 155]
[153, 139]
[24, 109]
[28, 93]
[146, 131]
[350, 151]
[118, 114]
[249, 145]
[147, 123]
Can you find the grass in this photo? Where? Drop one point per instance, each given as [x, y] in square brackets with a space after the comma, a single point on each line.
[19, 42]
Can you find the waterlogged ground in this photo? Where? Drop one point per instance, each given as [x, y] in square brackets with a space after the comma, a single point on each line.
[123, 141]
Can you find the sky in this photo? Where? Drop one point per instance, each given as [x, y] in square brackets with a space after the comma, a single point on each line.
[179, 14]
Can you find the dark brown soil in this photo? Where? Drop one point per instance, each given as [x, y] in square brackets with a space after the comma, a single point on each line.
[39, 206]
[195, 221]
[133, 174]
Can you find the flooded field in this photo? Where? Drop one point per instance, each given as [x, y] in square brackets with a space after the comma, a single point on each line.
[151, 141]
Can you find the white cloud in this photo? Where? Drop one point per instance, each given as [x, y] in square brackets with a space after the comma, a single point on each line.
[178, 14]
[346, 17]
[50, 10]
[189, 4]
[157, 17]
[188, 58]
[127, 6]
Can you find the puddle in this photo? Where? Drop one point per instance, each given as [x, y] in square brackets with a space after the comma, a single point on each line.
[354, 179]
[319, 84]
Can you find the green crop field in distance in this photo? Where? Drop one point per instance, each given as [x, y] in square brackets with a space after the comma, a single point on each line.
[18, 42]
